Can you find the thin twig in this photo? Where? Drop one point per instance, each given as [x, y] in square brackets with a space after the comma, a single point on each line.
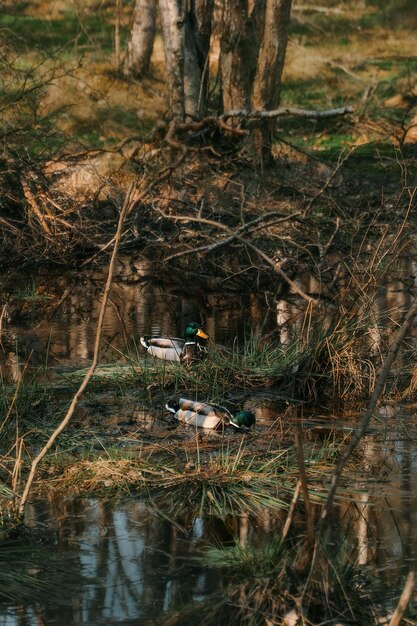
[272, 218]
[373, 401]
[291, 510]
[134, 201]
[404, 599]
[126, 207]
[341, 161]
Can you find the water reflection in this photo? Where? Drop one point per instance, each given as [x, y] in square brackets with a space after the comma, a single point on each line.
[123, 565]
[127, 564]
[56, 322]
[60, 330]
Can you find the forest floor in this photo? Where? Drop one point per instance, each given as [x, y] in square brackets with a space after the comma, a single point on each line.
[349, 53]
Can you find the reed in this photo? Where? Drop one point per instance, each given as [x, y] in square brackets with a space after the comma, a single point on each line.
[262, 586]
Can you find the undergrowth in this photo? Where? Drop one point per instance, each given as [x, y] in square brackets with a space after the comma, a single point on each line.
[262, 586]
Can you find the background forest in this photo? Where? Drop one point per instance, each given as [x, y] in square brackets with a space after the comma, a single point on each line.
[80, 121]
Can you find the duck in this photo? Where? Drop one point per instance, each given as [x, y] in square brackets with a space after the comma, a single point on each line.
[191, 348]
[211, 416]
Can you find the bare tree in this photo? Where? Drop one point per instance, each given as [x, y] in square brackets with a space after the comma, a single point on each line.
[173, 30]
[141, 38]
[198, 24]
[253, 39]
[271, 57]
[186, 28]
[253, 46]
[239, 51]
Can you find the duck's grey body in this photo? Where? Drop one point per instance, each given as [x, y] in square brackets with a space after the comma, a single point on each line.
[199, 414]
[212, 416]
[192, 347]
[164, 348]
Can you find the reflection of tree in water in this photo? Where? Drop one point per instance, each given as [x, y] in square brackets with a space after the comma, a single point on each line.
[128, 563]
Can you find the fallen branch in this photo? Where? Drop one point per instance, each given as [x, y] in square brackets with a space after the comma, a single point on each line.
[175, 127]
[236, 235]
[125, 209]
[286, 112]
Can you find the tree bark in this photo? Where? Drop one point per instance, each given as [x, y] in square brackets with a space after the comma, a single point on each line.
[141, 39]
[267, 84]
[172, 21]
[196, 56]
[238, 52]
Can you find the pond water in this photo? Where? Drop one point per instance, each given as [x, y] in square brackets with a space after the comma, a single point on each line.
[126, 563]
[115, 565]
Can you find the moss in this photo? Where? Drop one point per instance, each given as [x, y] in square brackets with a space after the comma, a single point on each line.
[49, 34]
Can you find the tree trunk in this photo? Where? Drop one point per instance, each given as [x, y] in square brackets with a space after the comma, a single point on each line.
[172, 21]
[141, 39]
[238, 52]
[196, 56]
[267, 85]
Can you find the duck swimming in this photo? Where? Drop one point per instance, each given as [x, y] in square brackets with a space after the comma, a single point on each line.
[190, 348]
[209, 416]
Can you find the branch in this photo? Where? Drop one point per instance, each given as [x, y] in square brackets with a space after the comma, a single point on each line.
[272, 217]
[237, 235]
[366, 417]
[404, 599]
[176, 127]
[126, 206]
[134, 202]
[287, 111]
[291, 510]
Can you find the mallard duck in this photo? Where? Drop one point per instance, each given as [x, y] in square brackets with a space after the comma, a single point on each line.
[210, 416]
[172, 349]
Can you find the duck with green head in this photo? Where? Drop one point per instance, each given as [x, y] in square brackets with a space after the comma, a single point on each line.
[211, 416]
[192, 347]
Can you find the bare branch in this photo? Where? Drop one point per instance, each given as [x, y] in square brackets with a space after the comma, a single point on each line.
[88, 376]
[286, 112]
[237, 235]
[271, 218]
[373, 401]
[404, 599]
[134, 201]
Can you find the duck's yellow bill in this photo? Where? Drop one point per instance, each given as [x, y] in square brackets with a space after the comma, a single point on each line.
[202, 334]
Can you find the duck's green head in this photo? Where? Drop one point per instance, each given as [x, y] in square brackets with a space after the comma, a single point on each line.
[243, 418]
[193, 332]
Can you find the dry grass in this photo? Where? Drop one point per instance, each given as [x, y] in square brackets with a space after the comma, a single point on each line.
[216, 475]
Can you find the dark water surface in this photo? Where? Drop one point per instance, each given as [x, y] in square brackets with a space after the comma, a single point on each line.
[126, 563]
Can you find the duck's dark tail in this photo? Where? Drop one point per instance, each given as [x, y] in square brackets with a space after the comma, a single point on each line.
[172, 406]
[144, 341]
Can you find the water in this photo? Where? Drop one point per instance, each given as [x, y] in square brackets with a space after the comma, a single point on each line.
[58, 326]
[119, 565]
[125, 563]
